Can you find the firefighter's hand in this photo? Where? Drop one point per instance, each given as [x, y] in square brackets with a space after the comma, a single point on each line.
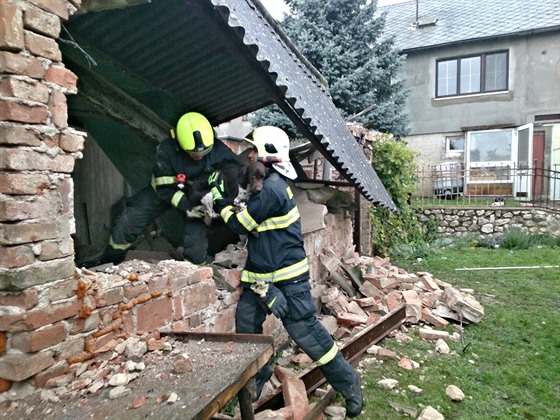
[273, 298]
[216, 186]
[196, 212]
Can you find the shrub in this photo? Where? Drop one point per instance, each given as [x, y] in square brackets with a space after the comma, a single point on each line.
[515, 238]
[401, 231]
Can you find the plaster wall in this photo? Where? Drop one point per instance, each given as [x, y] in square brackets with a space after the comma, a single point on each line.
[534, 83]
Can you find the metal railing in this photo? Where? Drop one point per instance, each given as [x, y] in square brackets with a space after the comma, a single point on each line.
[498, 185]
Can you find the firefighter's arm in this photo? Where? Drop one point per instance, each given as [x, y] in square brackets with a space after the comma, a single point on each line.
[216, 184]
[167, 186]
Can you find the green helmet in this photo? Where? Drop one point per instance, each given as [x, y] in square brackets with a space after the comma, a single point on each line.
[195, 134]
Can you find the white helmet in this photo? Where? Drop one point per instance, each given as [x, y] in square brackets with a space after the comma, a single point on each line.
[273, 146]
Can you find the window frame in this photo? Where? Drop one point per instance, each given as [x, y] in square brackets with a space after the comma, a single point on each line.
[453, 153]
[482, 78]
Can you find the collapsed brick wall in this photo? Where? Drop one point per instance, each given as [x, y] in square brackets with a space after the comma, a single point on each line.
[51, 314]
[48, 328]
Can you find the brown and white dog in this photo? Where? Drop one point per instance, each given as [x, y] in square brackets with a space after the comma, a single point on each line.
[239, 183]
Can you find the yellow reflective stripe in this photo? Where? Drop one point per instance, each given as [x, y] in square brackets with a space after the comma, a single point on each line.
[285, 273]
[328, 356]
[122, 247]
[163, 180]
[271, 304]
[280, 222]
[226, 213]
[177, 197]
[246, 220]
[290, 193]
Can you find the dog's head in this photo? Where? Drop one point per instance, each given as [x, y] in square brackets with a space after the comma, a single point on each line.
[254, 174]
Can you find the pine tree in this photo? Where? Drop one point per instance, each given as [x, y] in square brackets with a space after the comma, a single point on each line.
[342, 39]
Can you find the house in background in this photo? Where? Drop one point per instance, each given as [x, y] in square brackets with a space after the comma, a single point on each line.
[484, 88]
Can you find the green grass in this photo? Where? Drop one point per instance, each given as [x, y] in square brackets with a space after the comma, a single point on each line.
[508, 365]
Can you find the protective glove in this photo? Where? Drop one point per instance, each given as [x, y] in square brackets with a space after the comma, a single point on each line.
[217, 189]
[196, 212]
[272, 297]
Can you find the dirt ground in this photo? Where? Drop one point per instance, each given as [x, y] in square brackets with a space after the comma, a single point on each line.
[170, 386]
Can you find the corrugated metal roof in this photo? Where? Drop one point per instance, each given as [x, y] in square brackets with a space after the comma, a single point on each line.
[223, 58]
[465, 20]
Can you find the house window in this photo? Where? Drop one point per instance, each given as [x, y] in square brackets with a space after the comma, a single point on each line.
[473, 74]
[491, 146]
[454, 146]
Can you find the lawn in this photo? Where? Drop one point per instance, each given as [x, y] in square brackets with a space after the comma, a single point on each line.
[508, 365]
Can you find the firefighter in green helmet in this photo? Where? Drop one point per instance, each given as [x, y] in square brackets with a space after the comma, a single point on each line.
[192, 151]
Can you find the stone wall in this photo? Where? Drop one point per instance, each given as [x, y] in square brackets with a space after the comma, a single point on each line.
[491, 221]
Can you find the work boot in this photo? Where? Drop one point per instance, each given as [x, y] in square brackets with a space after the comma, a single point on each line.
[261, 378]
[353, 397]
[110, 255]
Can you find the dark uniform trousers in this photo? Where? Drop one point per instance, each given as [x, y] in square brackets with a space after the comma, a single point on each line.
[141, 210]
[303, 327]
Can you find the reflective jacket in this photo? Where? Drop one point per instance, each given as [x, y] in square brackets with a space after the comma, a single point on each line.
[171, 161]
[275, 252]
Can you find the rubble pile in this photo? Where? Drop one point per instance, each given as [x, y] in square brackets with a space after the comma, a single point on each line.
[363, 289]
[357, 292]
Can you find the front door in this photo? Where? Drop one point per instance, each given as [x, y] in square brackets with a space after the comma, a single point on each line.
[538, 162]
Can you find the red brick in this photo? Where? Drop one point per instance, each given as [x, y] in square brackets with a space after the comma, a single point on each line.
[130, 292]
[199, 296]
[14, 111]
[17, 367]
[58, 7]
[57, 370]
[31, 342]
[42, 46]
[22, 160]
[17, 184]
[11, 27]
[184, 275]
[82, 325]
[38, 318]
[71, 142]
[17, 209]
[18, 64]
[5, 385]
[69, 348]
[110, 297]
[232, 277]
[63, 290]
[62, 163]
[21, 89]
[19, 135]
[51, 250]
[295, 396]
[348, 319]
[153, 315]
[3, 341]
[42, 22]
[62, 76]
[58, 109]
[177, 307]
[225, 323]
[21, 233]
[158, 283]
[16, 256]
[25, 299]
[106, 342]
[128, 323]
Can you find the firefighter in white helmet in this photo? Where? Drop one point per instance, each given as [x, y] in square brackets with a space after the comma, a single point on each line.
[275, 278]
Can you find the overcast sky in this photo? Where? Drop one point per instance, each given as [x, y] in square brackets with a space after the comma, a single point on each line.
[277, 7]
